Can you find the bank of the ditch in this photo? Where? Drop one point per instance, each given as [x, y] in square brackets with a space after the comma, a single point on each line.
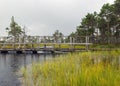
[81, 69]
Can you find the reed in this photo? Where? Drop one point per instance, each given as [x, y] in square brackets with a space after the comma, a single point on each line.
[80, 69]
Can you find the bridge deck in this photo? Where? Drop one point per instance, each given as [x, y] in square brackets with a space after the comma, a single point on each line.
[35, 51]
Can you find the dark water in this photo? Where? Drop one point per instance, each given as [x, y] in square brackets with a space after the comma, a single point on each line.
[10, 64]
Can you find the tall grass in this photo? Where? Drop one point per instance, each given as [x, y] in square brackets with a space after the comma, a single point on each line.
[82, 69]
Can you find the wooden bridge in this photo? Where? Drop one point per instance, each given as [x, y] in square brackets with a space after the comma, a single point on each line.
[41, 44]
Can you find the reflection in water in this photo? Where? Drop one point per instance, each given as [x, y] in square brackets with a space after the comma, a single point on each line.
[10, 64]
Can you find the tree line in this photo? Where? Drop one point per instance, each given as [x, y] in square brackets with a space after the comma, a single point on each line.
[104, 26]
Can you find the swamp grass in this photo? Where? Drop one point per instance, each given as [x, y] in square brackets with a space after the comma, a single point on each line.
[80, 69]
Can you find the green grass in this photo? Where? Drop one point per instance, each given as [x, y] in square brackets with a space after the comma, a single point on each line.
[105, 46]
[80, 69]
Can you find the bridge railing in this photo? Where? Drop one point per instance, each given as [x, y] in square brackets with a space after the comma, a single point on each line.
[63, 39]
[45, 39]
[32, 40]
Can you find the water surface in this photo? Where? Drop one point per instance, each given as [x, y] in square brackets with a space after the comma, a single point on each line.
[10, 64]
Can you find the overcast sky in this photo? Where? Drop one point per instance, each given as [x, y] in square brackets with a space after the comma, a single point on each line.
[43, 17]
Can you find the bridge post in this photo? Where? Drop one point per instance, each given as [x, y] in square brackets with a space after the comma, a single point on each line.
[24, 41]
[38, 42]
[87, 41]
[20, 41]
[53, 46]
[12, 42]
[59, 46]
[32, 42]
[71, 43]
